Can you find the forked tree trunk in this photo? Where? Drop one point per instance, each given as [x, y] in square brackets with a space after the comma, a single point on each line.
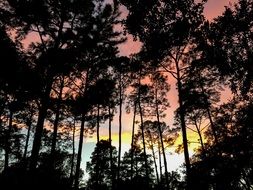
[208, 111]
[161, 140]
[200, 135]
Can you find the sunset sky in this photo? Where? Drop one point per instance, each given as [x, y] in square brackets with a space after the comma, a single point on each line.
[212, 9]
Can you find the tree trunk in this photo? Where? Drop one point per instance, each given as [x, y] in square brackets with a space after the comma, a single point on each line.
[7, 142]
[56, 123]
[79, 154]
[120, 126]
[73, 155]
[80, 146]
[160, 160]
[39, 127]
[161, 139]
[97, 156]
[184, 133]
[98, 126]
[29, 124]
[142, 133]
[200, 135]
[209, 114]
[110, 141]
[132, 143]
[153, 154]
[183, 125]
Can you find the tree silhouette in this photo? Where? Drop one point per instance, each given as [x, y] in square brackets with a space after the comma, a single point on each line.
[136, 177]
[101, 159]
[174, 52]
[63, 76]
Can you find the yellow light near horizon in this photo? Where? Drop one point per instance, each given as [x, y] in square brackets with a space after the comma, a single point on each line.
[125, 137]
[193, 139]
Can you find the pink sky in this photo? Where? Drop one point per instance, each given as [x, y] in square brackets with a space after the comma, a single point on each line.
[212, 9]
[216, 7]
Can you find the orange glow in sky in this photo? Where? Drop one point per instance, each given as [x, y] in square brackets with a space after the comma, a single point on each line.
[212, 9]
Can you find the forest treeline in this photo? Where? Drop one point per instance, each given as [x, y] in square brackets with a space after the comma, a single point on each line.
[62, 77]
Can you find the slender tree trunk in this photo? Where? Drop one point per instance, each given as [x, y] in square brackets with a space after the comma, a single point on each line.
[80, 146]
[7, 141]
[142, 133]
[208, 111]
[79, 154]
[200, 135]
[97, 156]
[110, 135]
[29, 125]
[110, 141]
[212, 125]
[71, 177]
[98, 126]
[153, 154]
[132, 143]
[56, 123]
[120, 125]
[183, 128]
[160, 160]
[39, 127]
[161, 139]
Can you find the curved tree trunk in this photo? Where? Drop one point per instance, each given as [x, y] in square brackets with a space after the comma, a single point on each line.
[80, 146]
[39, 127]
[79, 154]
